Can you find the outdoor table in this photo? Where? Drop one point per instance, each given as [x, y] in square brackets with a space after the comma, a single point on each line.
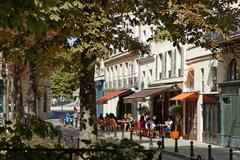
[122, 123]
[161, 128]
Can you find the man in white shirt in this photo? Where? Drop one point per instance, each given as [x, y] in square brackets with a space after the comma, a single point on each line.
[150, 124]
[169, 124]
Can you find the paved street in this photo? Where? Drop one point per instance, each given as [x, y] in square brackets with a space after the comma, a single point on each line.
[218, 153]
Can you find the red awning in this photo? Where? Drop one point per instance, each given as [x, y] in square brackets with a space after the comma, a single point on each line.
[104, 99]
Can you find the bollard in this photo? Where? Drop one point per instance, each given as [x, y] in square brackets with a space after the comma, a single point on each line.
[59, 139]
[115, 132]
[72, 139]
[163, 146]
[122, 133]
[176, 145]
[64, 141]
[131, 134]
[209, 152]
[150, 136]
[159, 143]
[108, 130]
[70, 156]
[78, 142]
[230, 154]
[191, 149]
[140, 135]
[160, 155]
[151, 142]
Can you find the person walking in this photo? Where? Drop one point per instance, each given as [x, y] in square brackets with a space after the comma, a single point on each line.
[75, 117]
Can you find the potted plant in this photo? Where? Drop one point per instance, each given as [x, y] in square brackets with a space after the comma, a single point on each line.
[143, 110]
[176, 112]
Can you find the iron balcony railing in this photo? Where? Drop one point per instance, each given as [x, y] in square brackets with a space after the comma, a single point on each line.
[129, 81]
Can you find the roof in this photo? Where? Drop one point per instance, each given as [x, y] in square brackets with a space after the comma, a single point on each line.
[111, 95]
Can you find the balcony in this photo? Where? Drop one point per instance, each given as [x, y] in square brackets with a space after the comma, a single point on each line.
[130, 81]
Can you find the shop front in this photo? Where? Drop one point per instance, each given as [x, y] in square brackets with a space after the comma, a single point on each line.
[113, 102]
[188, 100]
[157, 99]
[230, 119]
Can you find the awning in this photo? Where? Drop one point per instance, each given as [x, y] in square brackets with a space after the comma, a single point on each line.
[185, 95]
[111, 95]
[140, 96]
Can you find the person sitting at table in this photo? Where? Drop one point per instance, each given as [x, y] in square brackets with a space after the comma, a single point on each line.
[168, 124]
[156, 122]
[150, 124]
[125, 120]
[149, 127]
[129, 120]
[141, 124]
[101, 116]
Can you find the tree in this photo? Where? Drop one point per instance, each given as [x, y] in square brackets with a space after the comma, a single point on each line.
[102, 26]
[99, 24]
[28, 37]
[65, 75]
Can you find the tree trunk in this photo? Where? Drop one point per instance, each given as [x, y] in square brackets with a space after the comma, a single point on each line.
[17, 95]
[32, 92]
[88, 128]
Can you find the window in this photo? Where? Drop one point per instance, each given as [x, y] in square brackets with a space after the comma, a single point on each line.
[160, 75]
[202, 77]
[114, 51]
[179, 72]
[226, 100]
[233, 70]
[182, 60]
[173, 65]
[169, 74]
[170, 66]
[143, 73]
[160, 66]
[214, 79]
[150, 71]
[164, 70]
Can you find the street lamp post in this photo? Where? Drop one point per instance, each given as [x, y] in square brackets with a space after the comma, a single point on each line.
[62, 101]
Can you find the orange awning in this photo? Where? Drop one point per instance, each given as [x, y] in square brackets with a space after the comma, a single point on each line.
[185, 95]
[104, 99]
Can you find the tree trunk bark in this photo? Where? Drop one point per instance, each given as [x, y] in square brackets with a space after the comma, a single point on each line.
[32, 93]
[88, 128]
[17, 96]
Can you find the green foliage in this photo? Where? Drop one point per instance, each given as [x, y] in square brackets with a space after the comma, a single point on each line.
[65, 75]
[16, 136]
[125, 150]
[175, 110]
[143, 110]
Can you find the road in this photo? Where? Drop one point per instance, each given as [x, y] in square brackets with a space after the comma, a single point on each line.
[70, 131]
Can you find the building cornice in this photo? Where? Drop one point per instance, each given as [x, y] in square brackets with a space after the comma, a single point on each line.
[120, 57]
[146, 59]
[199, 58]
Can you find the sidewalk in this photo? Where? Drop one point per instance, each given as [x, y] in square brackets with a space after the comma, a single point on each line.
[218, 152]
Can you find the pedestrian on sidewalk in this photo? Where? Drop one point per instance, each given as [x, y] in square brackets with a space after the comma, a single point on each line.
[76, 117]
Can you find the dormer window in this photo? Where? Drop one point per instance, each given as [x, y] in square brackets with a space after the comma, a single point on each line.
[233, 70]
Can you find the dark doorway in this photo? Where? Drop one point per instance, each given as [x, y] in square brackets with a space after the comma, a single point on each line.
[211, 123]
[191, 120]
